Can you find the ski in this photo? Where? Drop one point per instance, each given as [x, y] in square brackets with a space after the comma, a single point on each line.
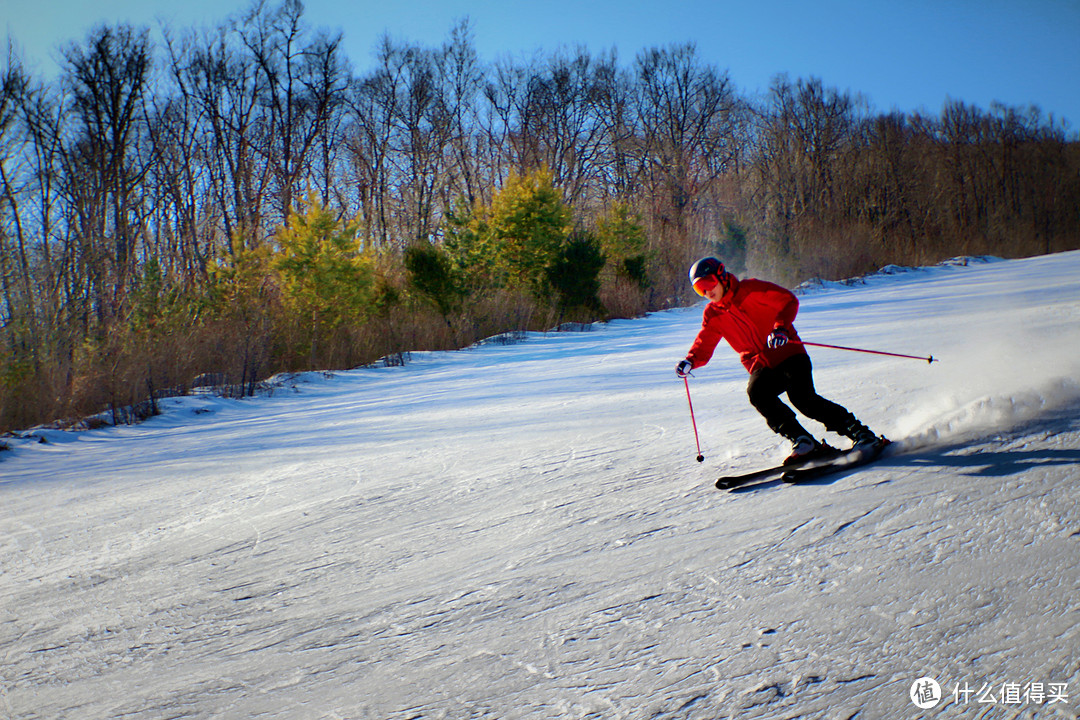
[730, 482]
[846, 460]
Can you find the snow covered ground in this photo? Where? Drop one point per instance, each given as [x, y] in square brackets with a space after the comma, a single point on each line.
[522, 531]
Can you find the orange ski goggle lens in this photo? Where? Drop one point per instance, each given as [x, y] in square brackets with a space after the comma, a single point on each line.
[705, 284]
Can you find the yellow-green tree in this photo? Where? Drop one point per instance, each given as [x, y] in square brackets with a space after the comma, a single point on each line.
[243, 304]
[623, 241]
[327, 282]
[512, 242]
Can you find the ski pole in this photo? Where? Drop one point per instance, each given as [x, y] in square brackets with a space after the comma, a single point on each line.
[872, 352]
[686, 381]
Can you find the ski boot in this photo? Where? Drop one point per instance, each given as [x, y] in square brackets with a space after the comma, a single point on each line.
[861, 436]
[805, 448]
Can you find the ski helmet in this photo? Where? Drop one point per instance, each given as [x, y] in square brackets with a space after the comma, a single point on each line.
[706, 273]
[705, 267]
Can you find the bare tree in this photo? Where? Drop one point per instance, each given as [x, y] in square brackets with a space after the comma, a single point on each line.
[180, 180]
[401, 127]
[301, 86]
[461, 78]
[621, 164]
[108, 82]
[571, 132]
[222, 82]
[373, 107]
[15, 276]
[688, 120]
[421, 131]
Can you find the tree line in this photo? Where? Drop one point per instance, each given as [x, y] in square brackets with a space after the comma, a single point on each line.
[233, 202]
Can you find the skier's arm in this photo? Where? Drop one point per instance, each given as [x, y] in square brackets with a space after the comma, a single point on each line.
[782, 304]
[787, 307]
[705, 343]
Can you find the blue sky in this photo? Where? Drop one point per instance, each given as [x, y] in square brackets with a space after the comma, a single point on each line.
[901, 54]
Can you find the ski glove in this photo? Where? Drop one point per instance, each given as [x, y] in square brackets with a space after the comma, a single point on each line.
[777, 339]
[683, 368]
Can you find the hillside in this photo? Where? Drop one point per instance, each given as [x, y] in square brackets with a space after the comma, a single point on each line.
[522, 531]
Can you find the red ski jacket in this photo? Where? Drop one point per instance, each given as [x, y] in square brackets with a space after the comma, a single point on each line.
[745, 317]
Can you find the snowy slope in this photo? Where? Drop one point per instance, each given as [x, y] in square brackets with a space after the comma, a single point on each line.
[522, 531]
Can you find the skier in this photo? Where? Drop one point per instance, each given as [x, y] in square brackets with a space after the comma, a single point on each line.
[756, 317]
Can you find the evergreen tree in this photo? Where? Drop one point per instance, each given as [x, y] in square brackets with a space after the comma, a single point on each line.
[622, 240]
[431, 273]
[575, 273]
[511, 243]
[326, 281]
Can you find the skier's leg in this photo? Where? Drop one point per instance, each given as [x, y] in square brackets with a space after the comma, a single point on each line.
[835, 417]
[764, 389]
[803, 395]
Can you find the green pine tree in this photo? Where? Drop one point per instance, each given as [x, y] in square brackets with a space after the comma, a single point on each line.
[326, 280]
[623, 242]
[512, 242]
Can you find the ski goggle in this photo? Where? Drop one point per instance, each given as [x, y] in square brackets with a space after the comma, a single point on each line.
[705, 284]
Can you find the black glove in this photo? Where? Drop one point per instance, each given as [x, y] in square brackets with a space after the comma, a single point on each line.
[777, 339]
[683, 368]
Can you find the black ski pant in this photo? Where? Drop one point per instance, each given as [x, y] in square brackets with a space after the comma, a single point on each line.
[795, 376]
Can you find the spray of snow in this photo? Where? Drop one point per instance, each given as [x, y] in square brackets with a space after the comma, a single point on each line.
[989, 414]
[1011, 356]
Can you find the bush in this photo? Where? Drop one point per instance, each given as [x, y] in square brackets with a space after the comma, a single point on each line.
[575, 274]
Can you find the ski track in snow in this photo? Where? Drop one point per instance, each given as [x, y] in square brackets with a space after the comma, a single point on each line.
[522, 532]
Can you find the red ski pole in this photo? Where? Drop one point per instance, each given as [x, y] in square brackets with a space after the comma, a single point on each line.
[872, 352]
[686, 381]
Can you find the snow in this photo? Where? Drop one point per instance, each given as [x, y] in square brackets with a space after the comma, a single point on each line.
[522, 531]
